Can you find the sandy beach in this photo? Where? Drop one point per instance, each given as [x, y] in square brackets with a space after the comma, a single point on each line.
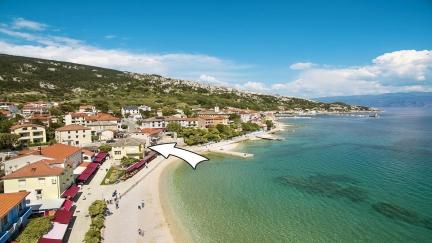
[155, 219]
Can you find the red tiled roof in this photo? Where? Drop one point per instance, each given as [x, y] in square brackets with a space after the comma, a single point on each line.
[72, 127]
[36, 169]
[59, 151]
[25, 125]
[151, 131]
[10, 200]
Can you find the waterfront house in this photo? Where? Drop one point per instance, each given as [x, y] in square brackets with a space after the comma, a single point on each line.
[59, 152]
[208, 121]
[128, 147]
[45, 180]
[20, 161]
[29, 133]
[76, 135]
[14, 214]
[150, 135]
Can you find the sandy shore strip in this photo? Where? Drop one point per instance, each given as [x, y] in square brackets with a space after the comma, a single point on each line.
[155, 219]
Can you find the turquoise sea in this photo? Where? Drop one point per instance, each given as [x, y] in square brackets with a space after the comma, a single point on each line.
[333, 179]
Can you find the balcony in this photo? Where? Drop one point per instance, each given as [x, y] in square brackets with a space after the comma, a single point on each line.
[14, 227]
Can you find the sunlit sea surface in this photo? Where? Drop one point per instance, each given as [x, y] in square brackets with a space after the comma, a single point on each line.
[332, 179]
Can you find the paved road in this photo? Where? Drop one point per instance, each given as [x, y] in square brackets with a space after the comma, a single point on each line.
[94, 191]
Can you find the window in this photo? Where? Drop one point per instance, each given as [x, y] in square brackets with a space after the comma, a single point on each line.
[68, 137]
[53, 181]
[22, 183]
[24, 128]
[117, 152]
[83, 136]
[76, 131]
[41, 181]
[76, 136]
[68, 132]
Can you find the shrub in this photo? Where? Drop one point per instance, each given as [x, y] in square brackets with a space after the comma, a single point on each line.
[35, 229]
[97, 213]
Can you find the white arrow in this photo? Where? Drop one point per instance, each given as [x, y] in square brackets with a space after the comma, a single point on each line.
[167, 149]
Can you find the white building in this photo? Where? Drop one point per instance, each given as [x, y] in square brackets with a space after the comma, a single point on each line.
[30, 133]
[162, 122]
[87, 109]
[76, 135]
[144, 108]
[130, 110]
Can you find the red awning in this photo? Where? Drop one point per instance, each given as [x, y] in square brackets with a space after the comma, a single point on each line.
[142, 162]
[45, 240]
[89, 171]
[100, 157]
[135, 166]
[62, 216]
[71, 191]
[67, 205]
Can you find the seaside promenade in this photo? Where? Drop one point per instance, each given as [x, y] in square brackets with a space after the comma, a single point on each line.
[123, 223]
[94, 191]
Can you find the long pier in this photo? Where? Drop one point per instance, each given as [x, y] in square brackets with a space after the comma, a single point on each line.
[233, 153]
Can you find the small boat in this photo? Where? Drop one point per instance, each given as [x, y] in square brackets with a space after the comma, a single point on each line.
[373, 115]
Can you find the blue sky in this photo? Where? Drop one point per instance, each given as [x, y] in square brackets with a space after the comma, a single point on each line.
[308, 48]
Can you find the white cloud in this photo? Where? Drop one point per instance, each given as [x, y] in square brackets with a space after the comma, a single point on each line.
[255, 86]
[399, 71]
[21, 23]
[404, 70]
[302, 65]
[179, 65]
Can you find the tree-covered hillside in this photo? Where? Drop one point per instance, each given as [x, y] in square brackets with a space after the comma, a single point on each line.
[26, 79]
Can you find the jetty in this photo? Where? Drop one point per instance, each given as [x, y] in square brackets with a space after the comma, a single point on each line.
[233, 153]
[269, 137]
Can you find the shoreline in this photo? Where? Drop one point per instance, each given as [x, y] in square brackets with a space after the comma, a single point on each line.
[157, 219]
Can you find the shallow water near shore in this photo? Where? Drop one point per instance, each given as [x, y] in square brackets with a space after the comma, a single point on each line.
[333, 179]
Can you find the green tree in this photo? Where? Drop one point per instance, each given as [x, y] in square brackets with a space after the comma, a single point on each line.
[174, 127]
[250, 127]
[105, 148]
[235, 118]
[8, 140]
[168, 111]
[102, 105]
[269, 124]
[126, 161]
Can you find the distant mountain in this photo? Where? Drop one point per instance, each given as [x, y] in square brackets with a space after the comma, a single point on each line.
[412, 99]
[25, 79]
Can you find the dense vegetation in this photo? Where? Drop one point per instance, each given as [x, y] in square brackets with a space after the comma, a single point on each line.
[27, 79]
[97, 212]
[193, 136]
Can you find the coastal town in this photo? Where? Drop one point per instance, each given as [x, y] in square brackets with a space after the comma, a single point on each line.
[55, 163]
[65, 171]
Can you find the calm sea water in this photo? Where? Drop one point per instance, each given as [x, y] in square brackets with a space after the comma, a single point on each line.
[333, 179]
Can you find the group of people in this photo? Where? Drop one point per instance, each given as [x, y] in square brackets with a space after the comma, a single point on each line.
[116, 199]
